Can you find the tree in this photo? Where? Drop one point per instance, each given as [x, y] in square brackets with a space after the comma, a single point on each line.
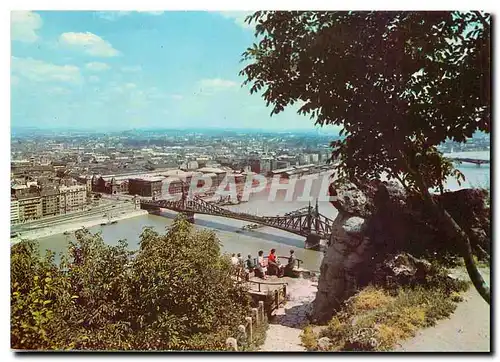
[397, 84]
[175, 293]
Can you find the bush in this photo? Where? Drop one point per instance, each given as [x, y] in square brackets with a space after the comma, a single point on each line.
[309, 339]
[174, 293]
[375, 318]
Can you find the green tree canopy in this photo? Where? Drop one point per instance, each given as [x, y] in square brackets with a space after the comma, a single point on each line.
[175, 292]
[397, 84]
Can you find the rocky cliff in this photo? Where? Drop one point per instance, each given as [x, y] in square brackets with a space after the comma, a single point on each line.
[380, 220]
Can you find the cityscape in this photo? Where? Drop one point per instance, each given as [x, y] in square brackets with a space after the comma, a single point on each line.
[61, 173]
[246, 181]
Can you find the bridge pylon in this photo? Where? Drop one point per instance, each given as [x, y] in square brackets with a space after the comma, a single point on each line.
[312, 242]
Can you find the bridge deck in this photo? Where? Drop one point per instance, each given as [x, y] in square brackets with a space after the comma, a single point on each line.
[301, 223]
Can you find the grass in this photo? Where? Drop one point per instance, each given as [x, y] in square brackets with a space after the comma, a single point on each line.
[375, 319]
[259, 337]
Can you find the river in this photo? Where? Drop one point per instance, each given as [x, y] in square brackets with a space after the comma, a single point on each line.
[235, 240]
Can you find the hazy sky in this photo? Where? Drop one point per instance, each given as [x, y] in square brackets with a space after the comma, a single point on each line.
[135, 69]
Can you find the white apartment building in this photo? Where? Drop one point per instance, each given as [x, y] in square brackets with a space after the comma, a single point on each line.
[304, 159]
[72, 198]
[14, 212]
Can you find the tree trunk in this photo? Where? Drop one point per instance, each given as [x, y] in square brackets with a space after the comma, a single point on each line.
[466, 250]
[455, 231]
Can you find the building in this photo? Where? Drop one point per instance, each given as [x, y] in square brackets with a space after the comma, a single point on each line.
[324, 157]
[216, 174]
[146, 187]
[254, 165]
[304, 159]
[109, 185]
[50, 202]
[266, 165]
[277, 164]
[14, 211]
[72, 198]
[314, 158]
[190, 165]
[30, 207]
[176, 186]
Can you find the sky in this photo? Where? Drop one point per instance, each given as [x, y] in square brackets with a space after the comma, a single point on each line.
[123, 70]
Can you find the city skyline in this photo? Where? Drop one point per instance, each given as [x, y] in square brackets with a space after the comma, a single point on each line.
[122, 70]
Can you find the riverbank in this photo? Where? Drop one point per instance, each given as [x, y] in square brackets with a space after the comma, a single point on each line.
[73, 225]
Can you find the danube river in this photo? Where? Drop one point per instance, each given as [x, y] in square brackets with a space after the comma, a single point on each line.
[235, 240]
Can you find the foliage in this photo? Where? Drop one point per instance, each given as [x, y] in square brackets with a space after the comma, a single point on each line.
[375, 318]
[175, 292]
[309, 339]
[397, 83]
[259, 337]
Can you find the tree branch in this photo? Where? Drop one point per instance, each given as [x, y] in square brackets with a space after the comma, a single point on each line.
[482, 19]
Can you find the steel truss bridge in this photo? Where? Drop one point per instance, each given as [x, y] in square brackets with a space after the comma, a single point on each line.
[471, 160]
[309, 223]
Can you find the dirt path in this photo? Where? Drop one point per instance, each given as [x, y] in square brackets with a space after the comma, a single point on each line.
[287, 323]
[467, 330]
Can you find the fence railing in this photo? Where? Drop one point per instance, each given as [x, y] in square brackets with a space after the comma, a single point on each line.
[266, 283]
[299, 261]
[246, 330]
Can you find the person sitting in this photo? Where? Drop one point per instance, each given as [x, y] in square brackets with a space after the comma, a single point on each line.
[234, 259]
[249, 264]
[261, 269]
[240, 260]
[275, 268]
[290, 265]
[249, 267]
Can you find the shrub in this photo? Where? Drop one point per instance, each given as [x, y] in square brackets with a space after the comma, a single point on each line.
[375, 318]
[309, 339]
[174, 293]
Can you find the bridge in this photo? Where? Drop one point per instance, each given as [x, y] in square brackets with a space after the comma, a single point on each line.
[308, 223]
[475, 161]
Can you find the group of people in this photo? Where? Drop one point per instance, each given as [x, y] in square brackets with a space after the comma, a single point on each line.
[265, 266]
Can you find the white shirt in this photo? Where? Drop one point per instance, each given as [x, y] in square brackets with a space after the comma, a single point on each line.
[234, 260]
[261, 261]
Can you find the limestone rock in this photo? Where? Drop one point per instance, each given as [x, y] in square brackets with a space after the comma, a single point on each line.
[351, 200]
[354, 225]
[232, 344]
[377, 221]
[402, 269]
[363, 340]
[324, 344]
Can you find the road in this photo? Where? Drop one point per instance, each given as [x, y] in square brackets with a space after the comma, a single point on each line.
[107, 207]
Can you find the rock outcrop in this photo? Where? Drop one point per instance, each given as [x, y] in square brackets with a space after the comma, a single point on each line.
[381, 220]
[350, 250]
[402, 269]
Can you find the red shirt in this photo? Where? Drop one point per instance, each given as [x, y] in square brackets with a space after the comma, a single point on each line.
[272, 257]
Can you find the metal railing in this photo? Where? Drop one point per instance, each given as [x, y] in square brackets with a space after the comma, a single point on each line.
[299, 261]
[266, 283]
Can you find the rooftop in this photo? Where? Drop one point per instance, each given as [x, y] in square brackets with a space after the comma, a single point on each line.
[211, 170]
